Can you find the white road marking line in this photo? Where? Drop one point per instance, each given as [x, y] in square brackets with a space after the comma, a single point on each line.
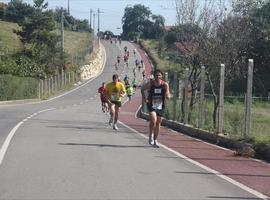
[230, 180]
[5, 145]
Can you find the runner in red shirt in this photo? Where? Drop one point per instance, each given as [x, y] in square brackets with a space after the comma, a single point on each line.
[102, 91]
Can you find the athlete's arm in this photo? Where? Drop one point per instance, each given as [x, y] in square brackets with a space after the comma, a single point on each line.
[167, 91]
[145, 87]
[123, 90]
[107, 96]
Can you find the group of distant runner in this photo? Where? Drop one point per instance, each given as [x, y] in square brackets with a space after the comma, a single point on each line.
[154, 91]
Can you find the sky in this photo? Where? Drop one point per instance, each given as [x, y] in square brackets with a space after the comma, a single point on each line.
[111, 11]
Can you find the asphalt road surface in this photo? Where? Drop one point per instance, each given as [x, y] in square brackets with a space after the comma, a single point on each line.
[64, 148]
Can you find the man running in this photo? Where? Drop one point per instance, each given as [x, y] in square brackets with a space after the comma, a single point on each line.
[158, 92]
[118, 58]
[115, 92]
[103, 99]
[129, 92]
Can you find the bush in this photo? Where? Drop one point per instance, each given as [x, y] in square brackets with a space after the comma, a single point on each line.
[7, 65]
[12, 87]
[28, 68]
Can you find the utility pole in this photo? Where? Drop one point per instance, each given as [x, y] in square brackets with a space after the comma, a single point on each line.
[62, 37]
[62, 47]
[94, 19]
[98, 30]
[90, 20]
[98, 23]
[68, 8]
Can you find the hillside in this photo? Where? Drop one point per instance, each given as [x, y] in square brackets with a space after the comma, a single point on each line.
[74, 41]
[9, 41]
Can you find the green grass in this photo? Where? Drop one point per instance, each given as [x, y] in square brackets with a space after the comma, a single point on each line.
[234, 118]
[153, 45]
[77, 46]
[14, 88]
[75, 41]
[9, 41]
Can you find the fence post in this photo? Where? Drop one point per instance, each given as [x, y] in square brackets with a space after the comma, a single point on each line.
[73, 77]
[39, 89]
[166, 76]
[45, 85]
[202, 98]
[62, 78]
[174, 94]
[186, 96]
[248, 99]
[221, 100]
[55, 83]
[49, 85]
[65, 78]
[43, 88]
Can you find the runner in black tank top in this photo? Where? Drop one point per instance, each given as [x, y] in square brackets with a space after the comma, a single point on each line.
[156, 98]
[158, 91]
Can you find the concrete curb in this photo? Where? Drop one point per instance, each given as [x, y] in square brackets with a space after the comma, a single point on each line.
[22, 101]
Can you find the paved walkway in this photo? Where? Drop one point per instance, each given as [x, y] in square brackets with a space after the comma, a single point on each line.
[252, 173]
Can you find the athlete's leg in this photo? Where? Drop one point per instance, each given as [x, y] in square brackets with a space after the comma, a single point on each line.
[106, 106]
[116, 113]
[112, 112]
[157, 127]
[103, 106]
[152, 124]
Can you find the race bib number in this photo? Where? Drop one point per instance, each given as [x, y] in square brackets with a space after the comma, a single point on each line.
[114, 97]
[157, 104]
[157, 91]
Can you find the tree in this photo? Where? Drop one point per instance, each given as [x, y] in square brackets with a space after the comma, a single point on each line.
[16, 11]
[260, 48]
[233, 48]
[134, 20]
[245, 7]
[37, 35]
[71, 23]
[197, 22]
[158, 26]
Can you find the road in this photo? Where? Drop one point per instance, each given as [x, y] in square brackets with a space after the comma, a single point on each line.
[64, 148]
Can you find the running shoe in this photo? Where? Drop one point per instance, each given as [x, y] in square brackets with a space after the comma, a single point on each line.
[110, 121]
[155, 144]
[115, 127]
[150, 141]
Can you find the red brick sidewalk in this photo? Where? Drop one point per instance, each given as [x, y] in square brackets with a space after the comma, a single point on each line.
[249, 172]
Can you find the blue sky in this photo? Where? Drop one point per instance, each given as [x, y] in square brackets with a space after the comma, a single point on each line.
[112, 11]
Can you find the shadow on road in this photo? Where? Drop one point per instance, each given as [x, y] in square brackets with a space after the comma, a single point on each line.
[107, 145]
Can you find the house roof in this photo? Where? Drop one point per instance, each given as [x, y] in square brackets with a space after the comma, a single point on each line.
[3, 5]
[185, 47]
